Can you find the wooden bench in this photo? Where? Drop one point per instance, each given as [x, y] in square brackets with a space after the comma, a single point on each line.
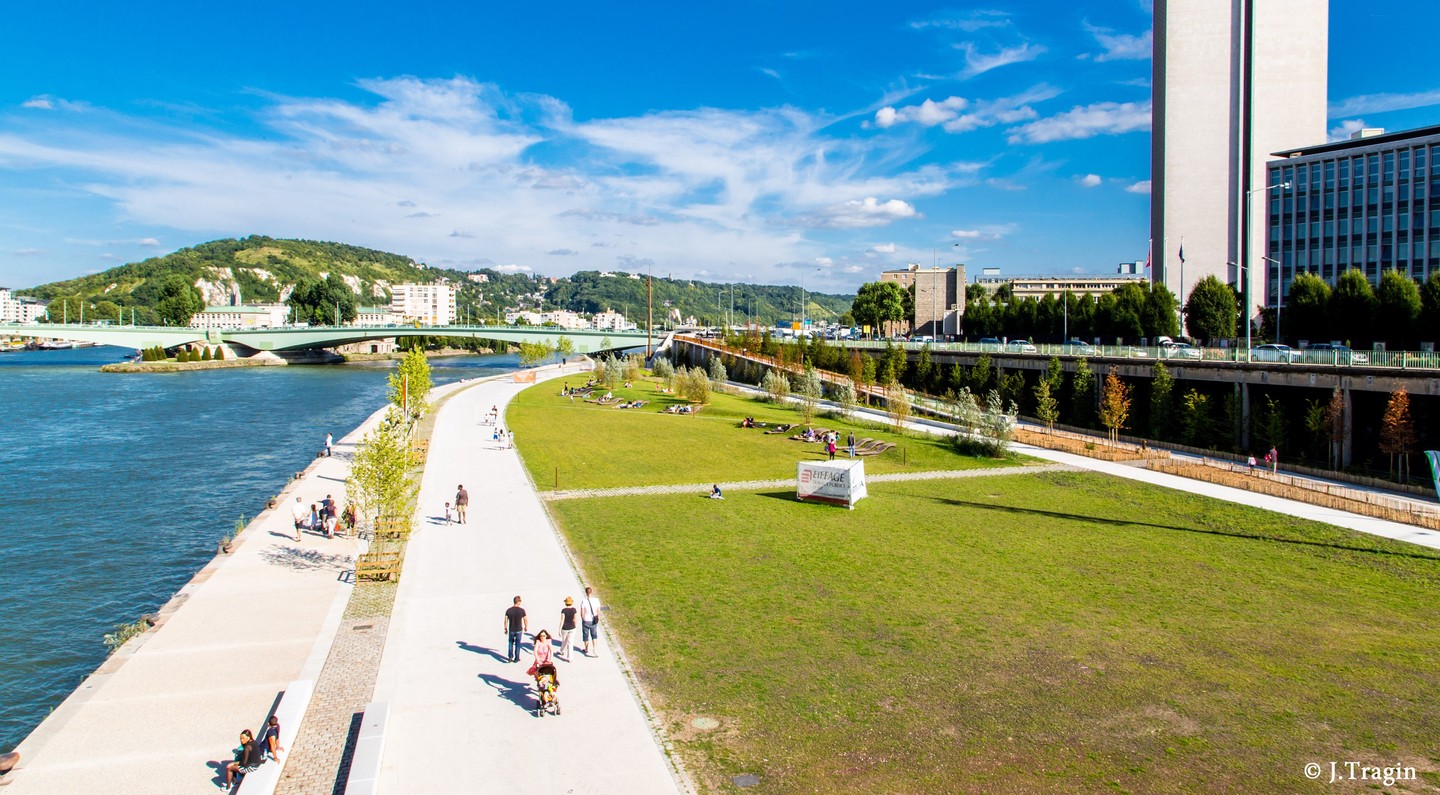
[420, 447]
[364, 776]
[291, 713]
[379, 565]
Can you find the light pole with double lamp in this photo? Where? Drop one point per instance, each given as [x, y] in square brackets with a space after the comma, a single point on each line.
[1246, 211]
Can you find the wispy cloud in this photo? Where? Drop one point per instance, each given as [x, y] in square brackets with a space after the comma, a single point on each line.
[562, 252]
[513, 268]
[148, 242]
[1087, 121]
[968, 21]
[1121, 46]
[978, 62]
[30, 252]
[991, 232]
[1143, 186]
[1383, 103]
[856, 214]
[883, 248]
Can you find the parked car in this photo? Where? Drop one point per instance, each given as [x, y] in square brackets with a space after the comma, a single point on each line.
[1274, 352]
[1078, 348]
[1333, 353]
[1019, 346]
[989, 344]
[1180, 350]
[1133, 352]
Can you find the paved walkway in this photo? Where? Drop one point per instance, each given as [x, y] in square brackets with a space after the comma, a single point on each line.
[160, 714]
[789, 483]
[460, 716]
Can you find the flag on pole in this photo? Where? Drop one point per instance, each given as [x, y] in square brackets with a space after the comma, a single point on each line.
[1148, 248]
[1434, 457]
[1182, 252]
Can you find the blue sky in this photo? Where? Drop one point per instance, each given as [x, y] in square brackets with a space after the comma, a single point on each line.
[748, 141]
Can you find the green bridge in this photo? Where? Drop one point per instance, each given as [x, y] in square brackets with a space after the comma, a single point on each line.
[303, 338]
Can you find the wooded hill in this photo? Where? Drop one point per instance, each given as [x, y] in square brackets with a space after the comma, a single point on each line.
[262, 269]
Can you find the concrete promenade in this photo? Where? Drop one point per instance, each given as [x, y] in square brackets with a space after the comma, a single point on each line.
[460, 717]
[165, 710]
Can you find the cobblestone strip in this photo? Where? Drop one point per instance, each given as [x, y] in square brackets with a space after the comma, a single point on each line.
[319, 762]
[756, 485]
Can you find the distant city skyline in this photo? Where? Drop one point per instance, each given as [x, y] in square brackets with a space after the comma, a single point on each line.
[757, 145]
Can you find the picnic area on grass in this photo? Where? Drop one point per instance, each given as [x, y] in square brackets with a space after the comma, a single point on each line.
[1054, 632]
[602, 446]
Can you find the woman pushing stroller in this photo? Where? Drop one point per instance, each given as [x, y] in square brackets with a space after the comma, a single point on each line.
[547, 680]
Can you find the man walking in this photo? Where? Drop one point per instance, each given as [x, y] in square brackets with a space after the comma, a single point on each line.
[589, 621]
[850, 441]
[300, 515]
[516, 625]
[329, 443]
[462, 501]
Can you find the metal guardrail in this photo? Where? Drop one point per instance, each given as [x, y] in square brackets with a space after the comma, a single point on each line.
[1393, 360]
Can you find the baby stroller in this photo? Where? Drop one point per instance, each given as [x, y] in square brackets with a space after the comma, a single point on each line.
[547, 682]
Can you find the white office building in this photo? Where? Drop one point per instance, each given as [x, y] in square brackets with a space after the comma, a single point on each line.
[610, 321]
[430, 304]
[243, 316]
[1234, 80]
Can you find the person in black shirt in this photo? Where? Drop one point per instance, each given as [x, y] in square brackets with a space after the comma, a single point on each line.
[247, 757]
[567, 628]
[515, 627]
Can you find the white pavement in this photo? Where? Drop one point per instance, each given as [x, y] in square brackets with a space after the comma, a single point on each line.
[153, 716]
[460, 718]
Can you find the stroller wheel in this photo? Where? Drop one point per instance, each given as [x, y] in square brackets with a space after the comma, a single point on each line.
[557, 707]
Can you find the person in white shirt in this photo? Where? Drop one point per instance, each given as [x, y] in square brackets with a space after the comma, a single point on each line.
[589, 621]
[301, 515]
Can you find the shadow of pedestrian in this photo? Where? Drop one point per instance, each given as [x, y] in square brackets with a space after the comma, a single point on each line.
[497, 656]
[517, 693]
[306, 559]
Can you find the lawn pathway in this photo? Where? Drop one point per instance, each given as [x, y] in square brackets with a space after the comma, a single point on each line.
[756, 485]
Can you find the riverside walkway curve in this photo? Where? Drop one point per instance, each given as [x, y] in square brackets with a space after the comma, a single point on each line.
[309, 337]
[459, 714]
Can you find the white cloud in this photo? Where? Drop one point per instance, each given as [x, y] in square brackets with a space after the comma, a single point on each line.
[977, 62]
[825, 261]
[971, 22]
[1121, 46]
[1087, 121]
[883, 248]
[1383, 103]
[992, 232]
[732, 191]
[1345, 129]
[514, 268]
[865, 212]
[39, 103]
[563, 252]
[958, 114]
[148, 242]
[1090, 180]
[1143, 186]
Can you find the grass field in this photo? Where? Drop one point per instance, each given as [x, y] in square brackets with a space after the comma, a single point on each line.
[1058, 632]
[1053, 632]
[605, 447]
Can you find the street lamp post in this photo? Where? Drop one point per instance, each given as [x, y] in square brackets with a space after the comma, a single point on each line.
[1246, 211]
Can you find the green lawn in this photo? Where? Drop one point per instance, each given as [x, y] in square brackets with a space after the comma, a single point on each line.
[1058, 632]
[605, 447]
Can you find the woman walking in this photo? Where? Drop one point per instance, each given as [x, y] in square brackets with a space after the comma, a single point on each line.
[567, 628]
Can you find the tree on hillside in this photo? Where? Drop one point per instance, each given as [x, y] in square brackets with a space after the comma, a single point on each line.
[1307, 309]
[1397, 432]
[1047, 408]
[1114, 405]
[1352, 307]
[893, 367]
[1430, 307]
[878, 302]
[564, 346]
[980, 375]
[1081, 400]
[897, 402]
[1397, 309]
[1269, 424]
[808, 388]
[1162, 385]
[179, 302]
[1212, 311]
[924, 369]
[1196, 424]
[323, 303]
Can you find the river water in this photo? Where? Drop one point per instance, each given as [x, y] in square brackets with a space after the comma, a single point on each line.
[117, 487]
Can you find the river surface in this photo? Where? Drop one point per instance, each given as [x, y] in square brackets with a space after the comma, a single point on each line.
[116, 488]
